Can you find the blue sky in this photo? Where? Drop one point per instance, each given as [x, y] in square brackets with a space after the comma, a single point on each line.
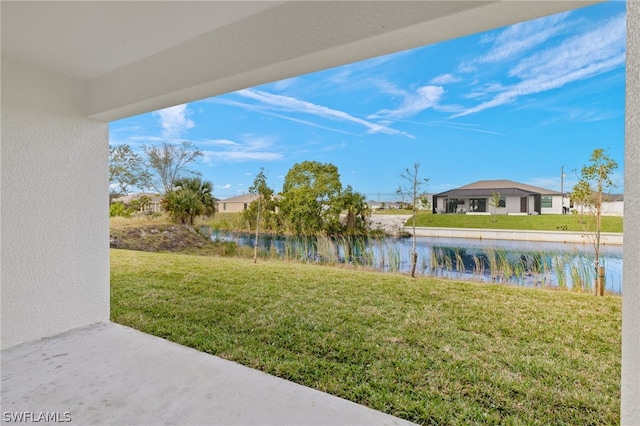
[515, 103]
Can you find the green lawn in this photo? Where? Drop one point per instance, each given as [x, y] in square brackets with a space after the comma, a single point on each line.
[546, 222]
[426, 350]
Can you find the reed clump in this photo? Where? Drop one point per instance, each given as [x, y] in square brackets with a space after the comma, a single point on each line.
[564, 270]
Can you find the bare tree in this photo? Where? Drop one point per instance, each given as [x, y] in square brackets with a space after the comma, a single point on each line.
[126, 171]
[262, 190]
[496, 197]
[171, 162]
[412, 188]
[595, 182]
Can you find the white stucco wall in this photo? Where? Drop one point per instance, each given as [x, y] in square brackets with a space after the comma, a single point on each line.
[54, 207]
[609, 208]
[630, 407]
[556, 206]
[512, 205]
[614, 208]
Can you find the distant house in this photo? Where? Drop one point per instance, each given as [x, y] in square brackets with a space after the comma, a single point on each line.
[425, 202]
[612, 205]
[152, 202]
[381, 205]
[515, 198]
[374, 205]
[235, 204]
[422, 203]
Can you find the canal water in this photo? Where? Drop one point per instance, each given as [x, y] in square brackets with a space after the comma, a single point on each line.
[526, 263]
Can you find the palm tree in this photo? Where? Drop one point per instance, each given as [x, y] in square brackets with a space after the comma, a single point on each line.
[357, 211]
[203, 190]
[182, 205]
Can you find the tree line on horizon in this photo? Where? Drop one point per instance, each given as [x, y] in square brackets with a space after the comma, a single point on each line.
[311, 202]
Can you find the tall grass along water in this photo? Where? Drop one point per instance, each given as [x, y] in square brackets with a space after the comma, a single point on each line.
[533, 264]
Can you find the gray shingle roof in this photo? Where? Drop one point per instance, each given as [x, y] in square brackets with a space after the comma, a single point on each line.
[504, 186]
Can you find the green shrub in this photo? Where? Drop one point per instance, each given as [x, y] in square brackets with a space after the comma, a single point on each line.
[119, 209]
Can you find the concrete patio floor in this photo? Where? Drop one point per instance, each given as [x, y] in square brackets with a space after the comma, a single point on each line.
[111, 374]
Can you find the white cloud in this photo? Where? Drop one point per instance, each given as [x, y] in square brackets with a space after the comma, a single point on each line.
[467, 67]
[255, 142]
[283, 84]
[136, 142]
[290, 104]
[387, 87]
[261, 109]
[218, 142]
[445, 79]
[355, 72]
[425, 97]
[251, 148]
[596, 51]
[589, 50]
[520, 38]
[582, 115]
[174, 120]
[484, 90]
[241, 156]
[516, 40]
[467, 127]
[552, 183]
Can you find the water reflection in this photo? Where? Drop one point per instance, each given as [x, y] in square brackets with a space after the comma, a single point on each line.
[527, 263]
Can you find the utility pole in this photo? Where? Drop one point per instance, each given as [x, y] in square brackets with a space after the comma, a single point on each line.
[562, 186]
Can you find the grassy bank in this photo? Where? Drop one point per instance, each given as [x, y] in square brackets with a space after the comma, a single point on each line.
[546, 222]
[430, 351]
[549, 222]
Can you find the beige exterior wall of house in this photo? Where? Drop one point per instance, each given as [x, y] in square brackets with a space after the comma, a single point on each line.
[235, 204]
[232, 207]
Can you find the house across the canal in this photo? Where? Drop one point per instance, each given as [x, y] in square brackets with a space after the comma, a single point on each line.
[515, 198]
[236, 204]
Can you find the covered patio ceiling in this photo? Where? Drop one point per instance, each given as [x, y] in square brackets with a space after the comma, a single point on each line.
[142, 56]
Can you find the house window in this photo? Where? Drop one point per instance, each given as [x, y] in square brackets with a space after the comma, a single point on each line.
[478, 205]
[502, 202]
[453, 205]
[546, 201]
[224, 206]
[245, 206]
